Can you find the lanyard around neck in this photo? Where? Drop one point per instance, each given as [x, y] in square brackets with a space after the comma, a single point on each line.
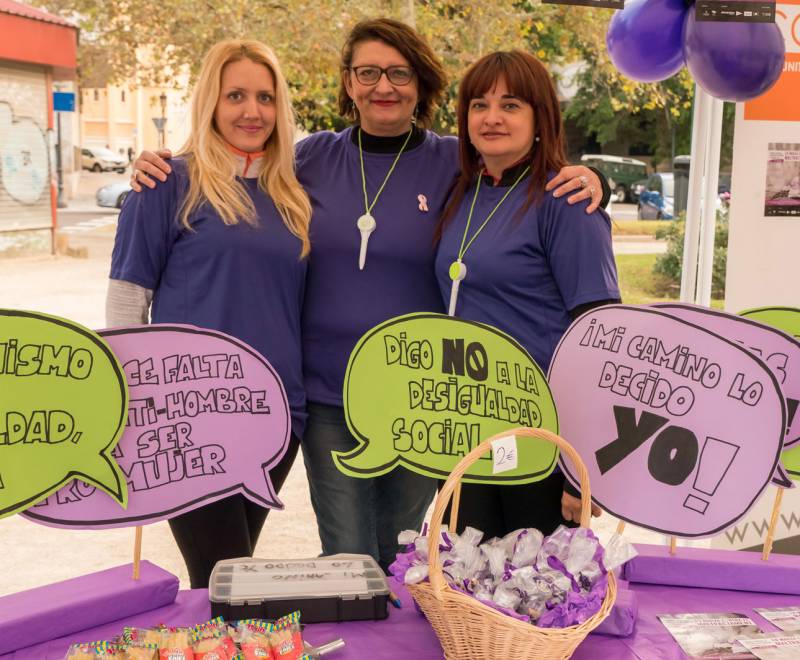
[367, 206]
[458, 269]
[463, 250]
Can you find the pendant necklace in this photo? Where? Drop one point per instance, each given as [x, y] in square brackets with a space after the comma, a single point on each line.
[366, 223]
[458, 269]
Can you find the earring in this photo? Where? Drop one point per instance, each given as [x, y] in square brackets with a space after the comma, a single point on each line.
[536, 139]
[414, 116]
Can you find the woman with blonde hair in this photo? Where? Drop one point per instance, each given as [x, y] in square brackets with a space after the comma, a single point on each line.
[222, 245]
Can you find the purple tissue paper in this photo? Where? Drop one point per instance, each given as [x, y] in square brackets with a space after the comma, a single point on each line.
[45, 613]
[621, 622]
[714, 569]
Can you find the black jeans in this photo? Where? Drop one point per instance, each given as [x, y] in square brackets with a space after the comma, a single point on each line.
[498, 510]
[224, 529]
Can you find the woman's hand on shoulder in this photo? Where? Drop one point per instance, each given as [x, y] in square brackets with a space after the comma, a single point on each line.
[149, 166]
[571, 508]
[579, 180]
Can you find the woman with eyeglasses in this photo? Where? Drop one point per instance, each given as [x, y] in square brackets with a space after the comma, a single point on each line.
[516, 258]
[377, 190]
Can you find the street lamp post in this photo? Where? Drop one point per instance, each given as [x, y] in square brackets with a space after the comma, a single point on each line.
[163, 101]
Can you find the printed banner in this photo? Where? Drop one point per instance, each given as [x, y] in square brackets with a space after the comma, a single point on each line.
[681, 429]
[780, 102]
[423, 390]
[62, 410]
[207, 418]
[782, 188]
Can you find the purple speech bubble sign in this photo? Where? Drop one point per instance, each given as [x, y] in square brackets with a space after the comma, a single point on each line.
[208, 417]
[681, 430]
[779, 351]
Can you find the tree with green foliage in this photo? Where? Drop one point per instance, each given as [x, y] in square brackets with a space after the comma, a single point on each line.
[170, 36]
[670, 264]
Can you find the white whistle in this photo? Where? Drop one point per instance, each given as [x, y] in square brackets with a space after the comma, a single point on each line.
[457, 271]
[366, 225]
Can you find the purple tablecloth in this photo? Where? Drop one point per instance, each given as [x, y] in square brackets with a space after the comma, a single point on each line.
[36, 615]
[714, 569]
[406, 634]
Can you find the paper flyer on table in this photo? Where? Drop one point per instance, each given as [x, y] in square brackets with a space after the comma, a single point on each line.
[711, 635]
[772, 646]
[785, 618]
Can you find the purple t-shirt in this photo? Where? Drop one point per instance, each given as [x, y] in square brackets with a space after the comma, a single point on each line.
[342, 302]
[245, 281]
[525, 273]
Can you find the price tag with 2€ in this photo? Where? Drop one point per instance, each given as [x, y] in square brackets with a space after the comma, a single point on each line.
[504, 454]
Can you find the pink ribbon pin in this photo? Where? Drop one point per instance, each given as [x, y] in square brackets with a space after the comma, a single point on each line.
[423, 202]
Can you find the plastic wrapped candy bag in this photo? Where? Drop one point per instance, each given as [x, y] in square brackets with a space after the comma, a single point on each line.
[526, 547]
[495, 555]
[416, 573]
[556, 581]
[589, 575]
[463, 565]
[470, 536]
[617, 552]
[421, 547]
[555, 545]
[582, 548]
[484, 590]
[506, 595]
[407, 537]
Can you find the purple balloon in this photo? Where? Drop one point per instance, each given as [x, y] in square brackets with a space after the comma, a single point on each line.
[645, 40]
[733, 61]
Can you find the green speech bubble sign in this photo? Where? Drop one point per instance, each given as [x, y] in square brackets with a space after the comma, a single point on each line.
[422, 390]
[786, 319]
[63, 407]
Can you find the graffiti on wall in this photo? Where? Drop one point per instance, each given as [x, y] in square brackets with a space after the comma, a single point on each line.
[24, 166]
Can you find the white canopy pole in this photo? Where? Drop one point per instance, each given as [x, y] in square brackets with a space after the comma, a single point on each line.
[709, 214]
[700, 129]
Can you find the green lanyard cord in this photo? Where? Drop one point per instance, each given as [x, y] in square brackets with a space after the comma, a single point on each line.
[367, 206]
[463, 250]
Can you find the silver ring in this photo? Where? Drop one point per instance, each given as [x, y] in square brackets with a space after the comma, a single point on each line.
[583, 181]
[591, 190]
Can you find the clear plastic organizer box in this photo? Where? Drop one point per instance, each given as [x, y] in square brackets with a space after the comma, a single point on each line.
[336, 588]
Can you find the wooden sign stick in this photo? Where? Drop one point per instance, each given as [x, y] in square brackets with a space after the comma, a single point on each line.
[673, 544]
[620, 527]
[773, 521]
[137, 552]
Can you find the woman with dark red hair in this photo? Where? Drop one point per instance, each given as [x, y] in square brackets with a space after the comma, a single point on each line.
[516, 258]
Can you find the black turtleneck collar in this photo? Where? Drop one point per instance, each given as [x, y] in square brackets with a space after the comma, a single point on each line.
[379, 144]
[510, 174]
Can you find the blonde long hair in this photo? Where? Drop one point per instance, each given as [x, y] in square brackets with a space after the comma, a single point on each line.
[211, 165]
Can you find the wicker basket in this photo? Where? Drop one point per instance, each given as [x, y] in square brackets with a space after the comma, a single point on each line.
[468, 629]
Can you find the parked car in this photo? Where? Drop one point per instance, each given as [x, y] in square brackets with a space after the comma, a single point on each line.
[657, 198]
[113, 195]
[100, 159]
[621, 172]
[636, 189]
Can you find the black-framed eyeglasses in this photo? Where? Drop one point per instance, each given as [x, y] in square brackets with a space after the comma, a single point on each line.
[370, 74]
